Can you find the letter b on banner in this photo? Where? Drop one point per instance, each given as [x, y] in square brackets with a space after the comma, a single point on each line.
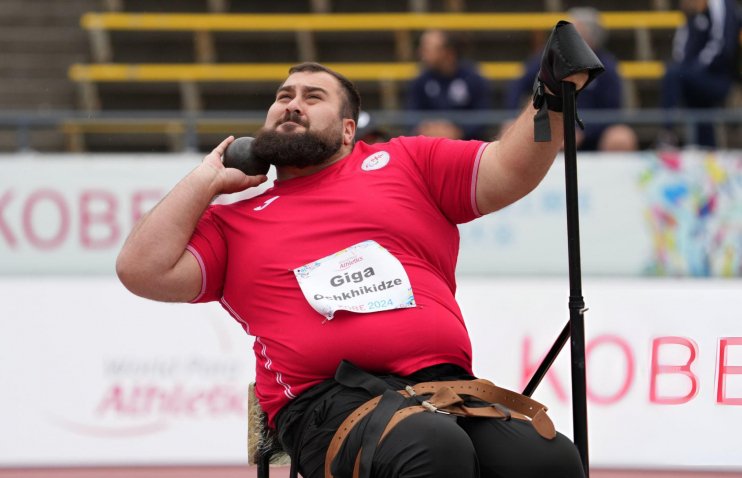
[682, 370]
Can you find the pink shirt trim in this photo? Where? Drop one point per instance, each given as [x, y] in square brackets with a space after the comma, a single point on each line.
[474, 178]
[201, 264]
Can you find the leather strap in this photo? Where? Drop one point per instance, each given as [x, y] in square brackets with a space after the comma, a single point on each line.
[381, 415]
[445, 399]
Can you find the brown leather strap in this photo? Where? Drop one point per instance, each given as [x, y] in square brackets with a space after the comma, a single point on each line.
[487, 391]
[445, 399]
[344, 429]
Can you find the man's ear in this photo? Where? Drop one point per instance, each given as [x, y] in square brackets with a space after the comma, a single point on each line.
[349, 130]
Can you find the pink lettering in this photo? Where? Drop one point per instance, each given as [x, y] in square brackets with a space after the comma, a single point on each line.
[625, 349]
[724, 370]
[143, 201]
[113, 401]
[147, 400]
[684, 369]
[4, 228]
[529, 367]
[98, 208]
[56, 199]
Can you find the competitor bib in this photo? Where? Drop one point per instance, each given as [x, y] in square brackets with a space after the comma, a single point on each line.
[363, 278]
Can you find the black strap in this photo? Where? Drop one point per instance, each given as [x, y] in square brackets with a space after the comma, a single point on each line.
[351, 376]
[541, 127]
[354, 377]
[389, 404]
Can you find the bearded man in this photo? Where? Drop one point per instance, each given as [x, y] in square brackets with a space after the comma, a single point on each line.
[347, 263]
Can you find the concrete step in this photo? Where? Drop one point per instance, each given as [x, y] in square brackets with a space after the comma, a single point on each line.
[36, 65]
[44, 12]
[51, 40]
[33, 94]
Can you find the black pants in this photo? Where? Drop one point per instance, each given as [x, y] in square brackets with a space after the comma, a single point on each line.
[425, 444]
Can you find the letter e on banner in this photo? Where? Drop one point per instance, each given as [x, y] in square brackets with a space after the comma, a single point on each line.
[684, 369]
[724, 369]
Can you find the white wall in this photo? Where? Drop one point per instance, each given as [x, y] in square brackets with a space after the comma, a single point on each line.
[93, 375]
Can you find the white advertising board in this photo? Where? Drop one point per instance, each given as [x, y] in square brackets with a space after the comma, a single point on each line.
[643, 214]
[66, 214]
[92, 375]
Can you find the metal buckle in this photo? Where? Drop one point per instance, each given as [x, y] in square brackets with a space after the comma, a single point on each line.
[432, 408]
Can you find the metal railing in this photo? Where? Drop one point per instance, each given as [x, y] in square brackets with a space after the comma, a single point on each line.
[21, 124]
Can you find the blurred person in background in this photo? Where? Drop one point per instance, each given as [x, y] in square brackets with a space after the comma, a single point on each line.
[369, 131]
[351, 256]
[447, 82]
[704, 65]
[606, 92]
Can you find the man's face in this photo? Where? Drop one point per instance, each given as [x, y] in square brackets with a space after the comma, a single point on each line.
[304, 125]
[432, 49]
[692, 7]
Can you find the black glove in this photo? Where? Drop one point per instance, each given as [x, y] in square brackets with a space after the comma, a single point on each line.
[565, 53]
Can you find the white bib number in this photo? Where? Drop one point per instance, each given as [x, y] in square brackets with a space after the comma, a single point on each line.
[363, 278]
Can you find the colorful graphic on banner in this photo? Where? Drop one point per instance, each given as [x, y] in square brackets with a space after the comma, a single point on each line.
[694, 212]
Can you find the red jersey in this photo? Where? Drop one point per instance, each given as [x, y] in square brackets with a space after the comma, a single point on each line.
[407, 195]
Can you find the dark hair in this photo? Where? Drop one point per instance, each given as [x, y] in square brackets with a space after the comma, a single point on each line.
[455, 41]
[352, 105]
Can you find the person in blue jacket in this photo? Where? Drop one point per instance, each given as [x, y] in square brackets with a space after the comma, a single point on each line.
[447, 83]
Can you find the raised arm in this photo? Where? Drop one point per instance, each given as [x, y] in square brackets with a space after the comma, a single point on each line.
[153, 262]
[513, 166]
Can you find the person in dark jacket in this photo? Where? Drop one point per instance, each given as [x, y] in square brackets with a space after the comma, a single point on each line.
[447, 83]
[704, 62]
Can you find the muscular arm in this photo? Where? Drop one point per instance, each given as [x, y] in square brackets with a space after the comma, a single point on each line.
[153, 262]
[513, 166]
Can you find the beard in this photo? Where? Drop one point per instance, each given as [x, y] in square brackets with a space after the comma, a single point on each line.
[299, 150]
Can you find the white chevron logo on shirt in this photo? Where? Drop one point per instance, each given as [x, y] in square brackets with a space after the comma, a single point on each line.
[265, 204]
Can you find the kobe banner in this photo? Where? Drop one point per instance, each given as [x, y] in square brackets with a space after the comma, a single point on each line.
[672, 214]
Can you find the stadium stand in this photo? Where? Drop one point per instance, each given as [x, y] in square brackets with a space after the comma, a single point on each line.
[38, 42]
[187, 67]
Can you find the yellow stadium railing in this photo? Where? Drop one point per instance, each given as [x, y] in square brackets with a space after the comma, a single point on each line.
[225, 72]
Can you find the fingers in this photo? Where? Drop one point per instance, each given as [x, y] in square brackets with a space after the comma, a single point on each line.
[236, 181]
[222, 147]
[579, 79]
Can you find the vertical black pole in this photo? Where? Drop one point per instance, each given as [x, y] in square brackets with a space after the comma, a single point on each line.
[576, 302]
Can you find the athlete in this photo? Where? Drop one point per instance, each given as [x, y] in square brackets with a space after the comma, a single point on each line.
[350, 258]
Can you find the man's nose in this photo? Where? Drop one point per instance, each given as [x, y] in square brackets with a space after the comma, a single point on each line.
[294, 106]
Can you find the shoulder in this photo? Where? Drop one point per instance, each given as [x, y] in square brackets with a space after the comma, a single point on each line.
[468, 69]
[422, 77]
[608, 59]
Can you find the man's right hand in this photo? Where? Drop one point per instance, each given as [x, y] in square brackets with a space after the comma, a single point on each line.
[228, 180]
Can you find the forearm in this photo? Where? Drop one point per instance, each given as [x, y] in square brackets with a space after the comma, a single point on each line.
[512, 167]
